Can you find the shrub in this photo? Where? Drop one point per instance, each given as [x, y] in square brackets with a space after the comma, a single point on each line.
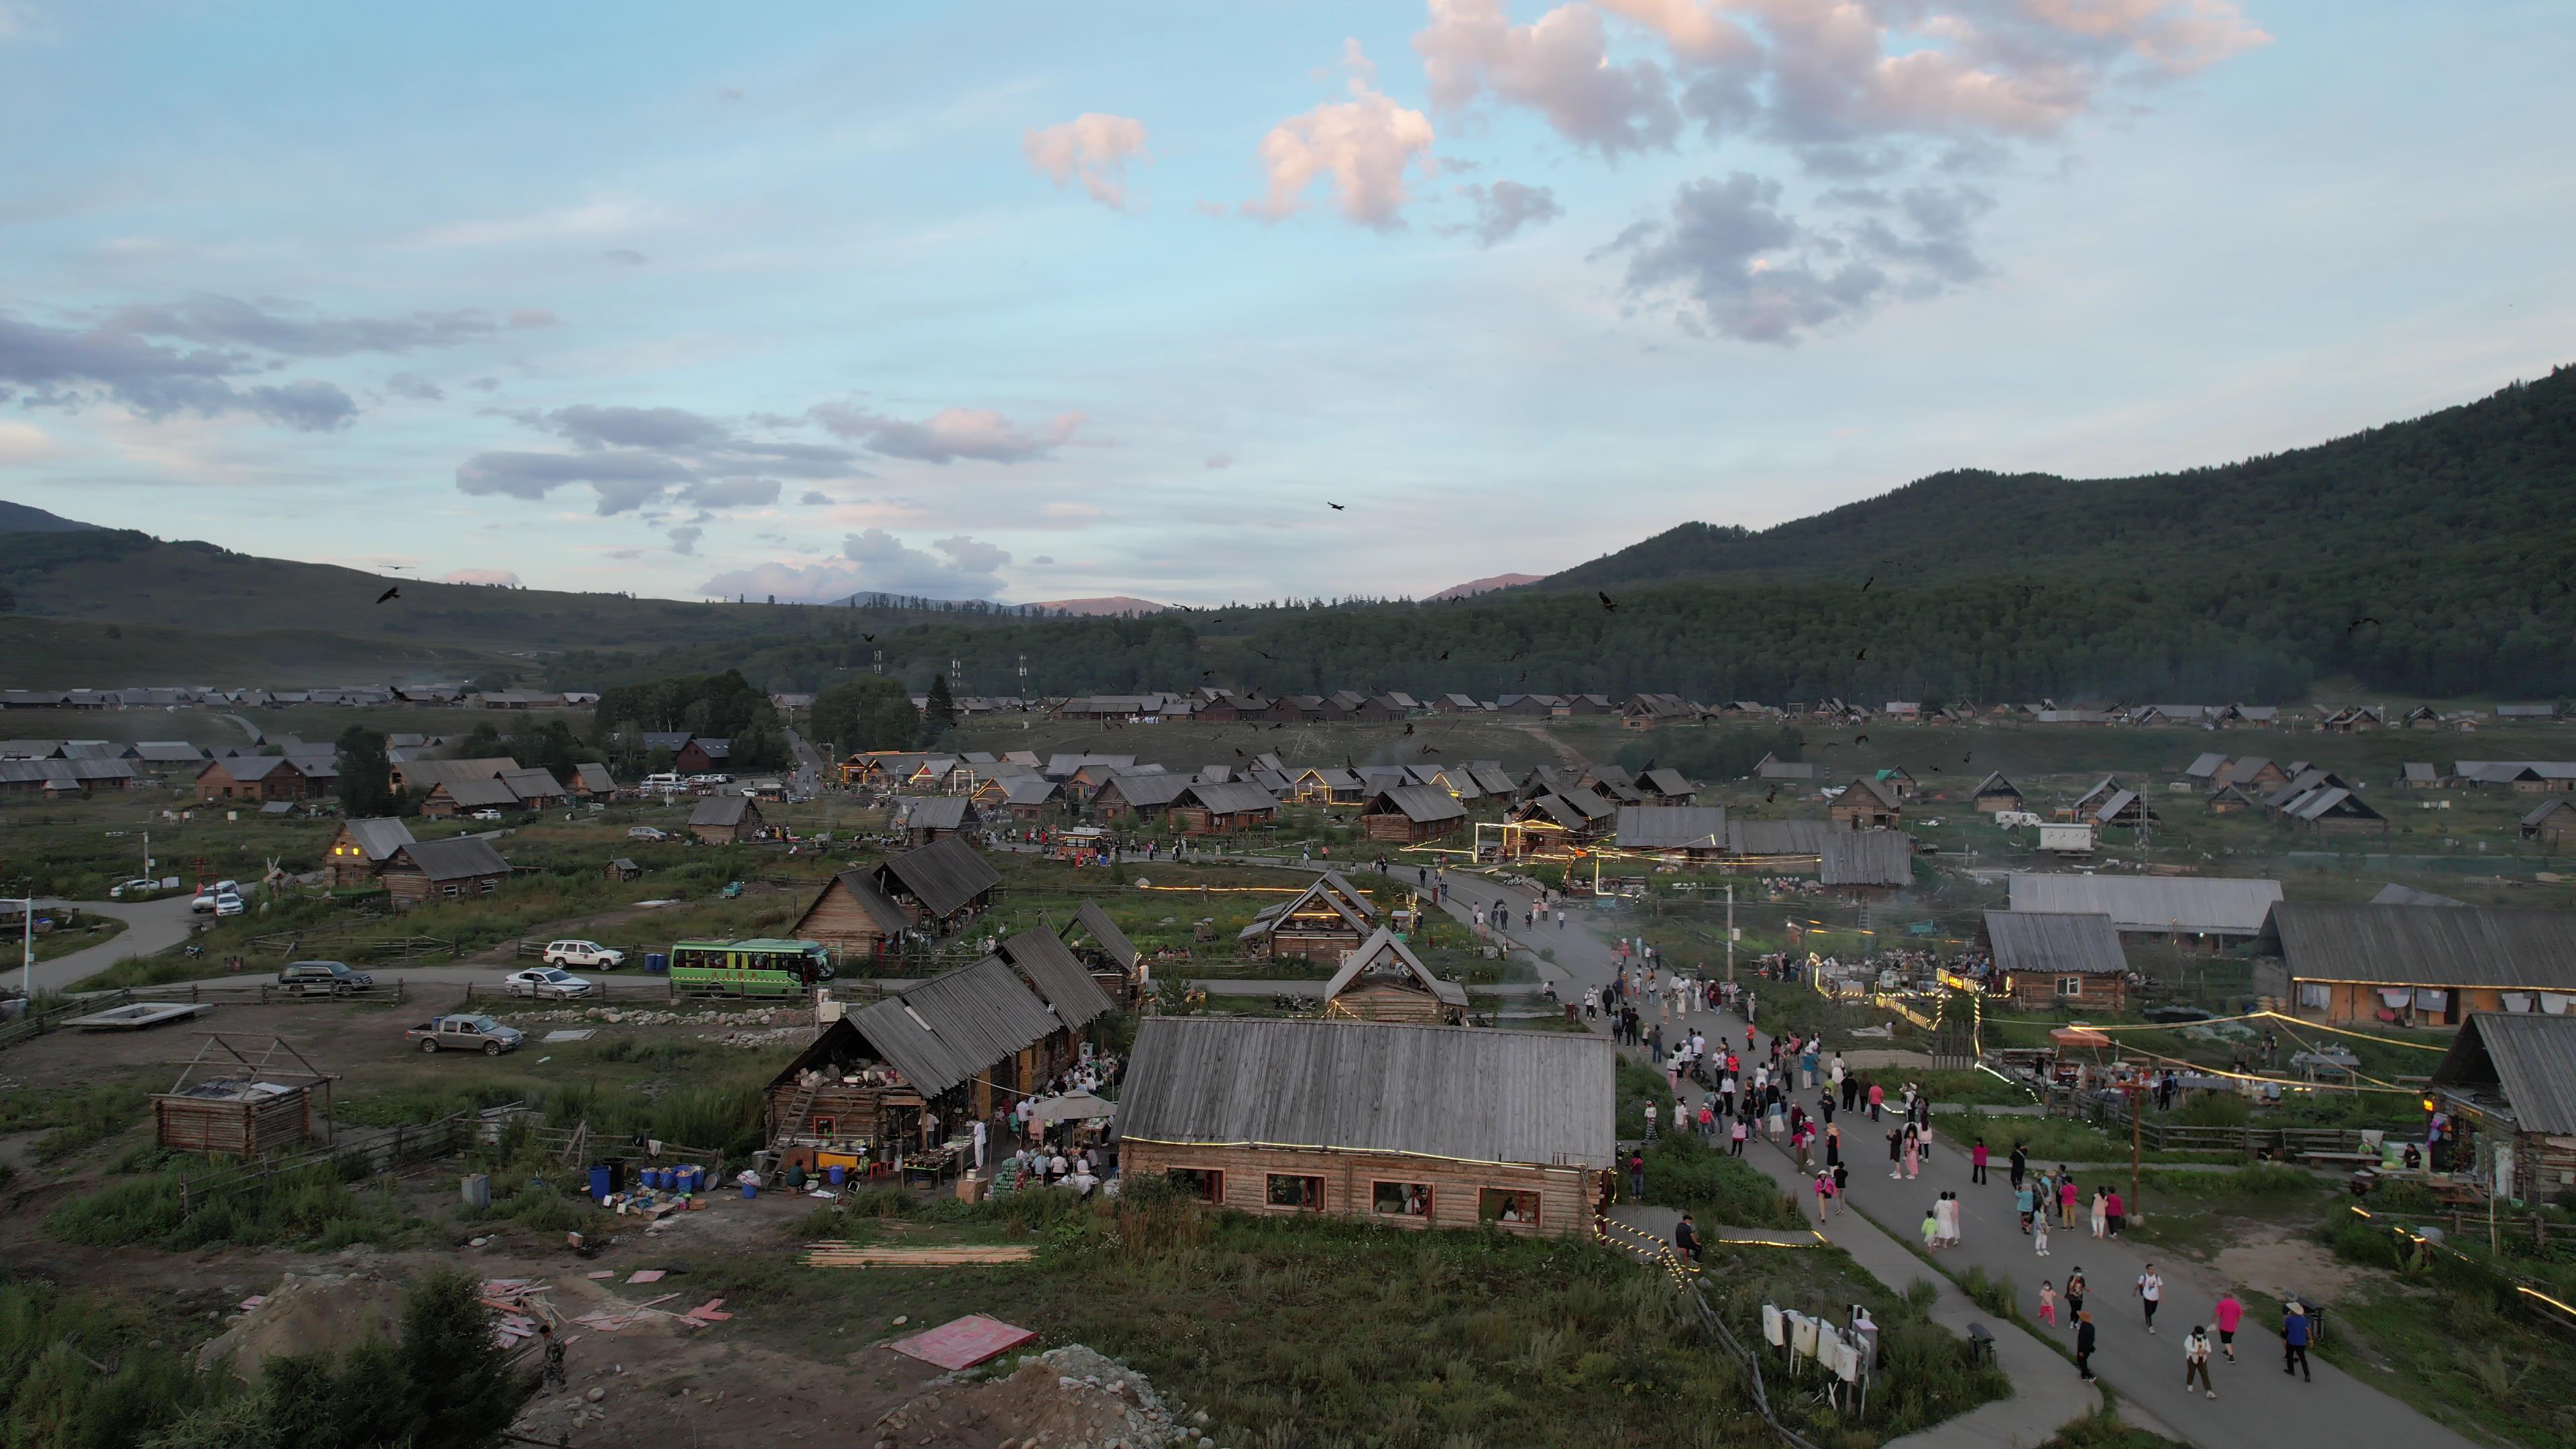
[1681, 1172]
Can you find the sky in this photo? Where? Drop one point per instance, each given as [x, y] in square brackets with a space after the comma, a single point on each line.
[1036, 301]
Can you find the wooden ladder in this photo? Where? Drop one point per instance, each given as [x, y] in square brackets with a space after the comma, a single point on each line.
[795, 1114]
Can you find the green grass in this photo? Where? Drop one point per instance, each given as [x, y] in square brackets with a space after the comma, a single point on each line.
[73, 1119]
[2200, 1213]
[2103, 1430]
[1716, 1188]
[315, 1207]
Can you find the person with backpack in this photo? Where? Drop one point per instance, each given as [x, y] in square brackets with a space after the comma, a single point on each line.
[2195, 1360]
[2151, 1292]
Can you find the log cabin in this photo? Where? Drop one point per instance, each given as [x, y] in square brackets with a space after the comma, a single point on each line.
[2059, 959]
[1318, 923]
[252, 777]
[855, 917]
[1105, 952]
[921, 819]
[1407, 814]
[725, 820]
[1137, 796]
[435, 870]
[1410, 1126]
[2509, 1080]
[2415, 965]
[1865, 804]
[1222, 807]
[942, 885]
[1384, 981]
[1995, 794]
[361, 849]
[451, 798]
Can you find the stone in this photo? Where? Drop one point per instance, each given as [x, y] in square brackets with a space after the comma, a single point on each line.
[597, 1395]
[901, 1319]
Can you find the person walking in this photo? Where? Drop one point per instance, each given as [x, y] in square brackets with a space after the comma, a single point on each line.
[1650, 1119]
[1977, 1163]
[2151, 1292]
[1736, 1134]
[2022, 1199]
[2065, 1196]
[553, 1377]
[2075, 1293]
[2113, 1211]
[2101, 1213]
[1842, 1185]
[2039, 1237]
[2195, 1360]
[1932, 1227]
[1895, 1154]
[2229, 1313]
[2294, 1340]
[1877, 1097]
[2047, 1303]
[1824, 1197]
[1560, 918]
[2084, 1345]
[2020, 1164]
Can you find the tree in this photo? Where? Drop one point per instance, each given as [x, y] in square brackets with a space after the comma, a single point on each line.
[940, 714]
[866, 714]
[366, 776]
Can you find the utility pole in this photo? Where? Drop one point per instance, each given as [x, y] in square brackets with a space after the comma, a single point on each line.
[27, 982]
[1730, 931]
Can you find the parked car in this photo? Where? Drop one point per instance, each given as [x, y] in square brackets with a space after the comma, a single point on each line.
[124, 888]
[466, 1034]
[487, 815]
[204, 903]
[229, 904]
[321, 978]
[646, 832]
[661, 784]
[547, 983]
[589, 955]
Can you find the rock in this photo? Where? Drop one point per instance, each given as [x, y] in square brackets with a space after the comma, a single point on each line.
[1200, 1418]
[901, 1319]
[596, 1395]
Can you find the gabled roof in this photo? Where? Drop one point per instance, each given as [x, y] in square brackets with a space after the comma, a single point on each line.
[1142, 790]
[2393, 894]
[1996, 784]
[1227, 797]
[532, 784]
[1866, 858]
[463, 858]
[2531, 1058]
[945, 876]
[378, 837]
[1875, 791]
[1383, 955]
[930, 812]
[1459, 1093]
[2206, 766]
[1420, 804]
[862, 887]
[1062, 981]
[720, 810]
[1668, 781]
[470, 794]
[1104, 933]
[2153, 903]
[1778, 837]
[1030, 790]
[594, 777]
[1341, 902]
[2515, 948]
[2054, 943]
[1672, 827]
[953, 1027]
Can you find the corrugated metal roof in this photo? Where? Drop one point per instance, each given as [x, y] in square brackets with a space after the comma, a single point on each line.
[2393, 894]
[945, 876]
[463, 858]
[489, 793]
[954, 1027]
[1672, 827]
[2532, 1057]
[1420, 804]
[1105, 934]
[379, 838]
[1462, 1093]
[1385, 954]
[1143, 790]
[1030, 790]
[1866, 858]
[2205, 767]
[2546, 808]
[930, 812]
[1778, 837]
[1063, 982]
[2055, 943]
[2519, 948]
[1669, 782]
[1227, 797]
[2153, 903]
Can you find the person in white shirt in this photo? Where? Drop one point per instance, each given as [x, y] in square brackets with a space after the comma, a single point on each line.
[2195, 1360]
[2151, 1292]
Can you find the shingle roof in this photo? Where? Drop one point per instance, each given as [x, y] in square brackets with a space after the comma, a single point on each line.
[1438, 1091]
[945, 875]
[2519, 948]
[1062, 981]
[1672, 827]
[2055, 943]
[2153, 903]
[1420, 804]
[462, 858]
[1866, 858]
[1382, 953]
[950, 1028]
[2532, 1057]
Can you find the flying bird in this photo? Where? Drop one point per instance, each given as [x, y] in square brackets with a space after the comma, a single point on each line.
[1408, 729]
[1273, 658]
[1864, 654]
[1607, 607]
[867, 638]
[1967, 758]
[1426, 749]
[1860, 739]
[388, 594]
[1328, 503]
[1865, 583]
[1524, 679]
[1444, 653]
[2357, 623]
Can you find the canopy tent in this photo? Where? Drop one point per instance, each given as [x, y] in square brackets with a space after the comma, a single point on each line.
[1073, 1107]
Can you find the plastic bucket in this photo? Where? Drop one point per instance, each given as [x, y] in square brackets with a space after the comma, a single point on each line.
[838, 1173]
[601, 1183]
[750, 1189]
[478, 1190]
[656, 963]
[692, 1180]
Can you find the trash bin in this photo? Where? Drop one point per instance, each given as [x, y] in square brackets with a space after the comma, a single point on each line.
[656, 963]
[838, 1173]
[602, 1182]
[478, 1190]
[751, 1189]
[616, 1173]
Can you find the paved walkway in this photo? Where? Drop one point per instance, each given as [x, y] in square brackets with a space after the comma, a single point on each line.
[150, 927]
[2258, 1406]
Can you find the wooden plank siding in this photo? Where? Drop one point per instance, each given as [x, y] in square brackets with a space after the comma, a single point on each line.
[1348, 1182]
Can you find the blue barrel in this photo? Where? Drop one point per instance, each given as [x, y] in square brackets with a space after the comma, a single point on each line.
[656, 963]
[599, 1182]
[689, 1180]
[750, 1189]
[838, 1174]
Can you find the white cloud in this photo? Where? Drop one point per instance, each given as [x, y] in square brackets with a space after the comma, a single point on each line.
[25, 443]
[503, 577]
[1559, 66]
[1359, 149]
[947, 435]
[957, 567]
[1505, 207]
[1092, 146]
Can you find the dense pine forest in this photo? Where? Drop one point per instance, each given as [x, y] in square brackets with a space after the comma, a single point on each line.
[2435, 557]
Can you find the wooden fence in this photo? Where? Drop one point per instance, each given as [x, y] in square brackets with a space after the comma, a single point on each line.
[48, 1016]
[2111, 1111]
[353, 940]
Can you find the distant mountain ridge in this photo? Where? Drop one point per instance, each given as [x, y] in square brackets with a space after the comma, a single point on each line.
[1473, 587]
[20, 518]
[1094, 608]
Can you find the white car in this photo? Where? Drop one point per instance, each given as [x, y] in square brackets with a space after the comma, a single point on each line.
[646, 832]
[547, 983]
[588, 954]
[229, 905]
[664, 783]
[122, 889]
[487, 814]
[204, 902]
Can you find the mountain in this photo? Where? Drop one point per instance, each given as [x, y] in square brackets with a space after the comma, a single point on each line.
[1094, 608]
[1473, 587]
[19, 518]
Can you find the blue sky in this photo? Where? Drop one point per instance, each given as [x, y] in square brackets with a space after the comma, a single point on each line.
[1032, 301]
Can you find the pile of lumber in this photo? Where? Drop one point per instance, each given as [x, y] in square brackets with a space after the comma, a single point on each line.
[518, 1306]
[835, 1254]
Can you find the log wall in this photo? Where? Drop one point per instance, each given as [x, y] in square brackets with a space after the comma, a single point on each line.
[1348, 1183]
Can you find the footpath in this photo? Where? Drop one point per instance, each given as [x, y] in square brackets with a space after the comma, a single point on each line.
[2258, 1406]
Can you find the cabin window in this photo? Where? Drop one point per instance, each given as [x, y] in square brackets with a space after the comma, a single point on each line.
[1507, 1205]
[2070, 986]
[2315, 994]
[1292, 1190]
[1400, 1199]
[450, 890]
[1207, 1184]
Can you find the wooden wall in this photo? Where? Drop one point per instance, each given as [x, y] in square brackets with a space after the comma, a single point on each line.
[838, 920]
[1390, 1001]
[233, 1128]
[1565, 1194]
[2037, 991]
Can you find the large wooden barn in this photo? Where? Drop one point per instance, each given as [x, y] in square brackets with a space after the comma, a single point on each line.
[2416, 965]
[2059, 959]
[1406, 814]
[1221, 807]
[1384, 981]
[1419, 1126]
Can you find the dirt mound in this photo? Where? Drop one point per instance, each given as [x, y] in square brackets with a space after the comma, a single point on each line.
[308, 1313]
[1061, 1398]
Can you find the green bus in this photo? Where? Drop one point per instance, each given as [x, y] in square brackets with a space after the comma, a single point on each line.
[757, 967]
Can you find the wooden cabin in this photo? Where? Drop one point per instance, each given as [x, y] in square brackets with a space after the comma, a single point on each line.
[1137, 796]
[252, 777]
[2552, 822]
[1222, 807]
[921, 819]
[1406, 814]
[725, 819]
[2229, 800]
[1384, 981]
[361, 849]
[1105, 951]
[2414, 965]
[855, 917]
[1865, 804]
[624, 869]
[1412, 1126]
[434, 870]
[2509, 1080]
[1319, 923]
[2059, 959]
[1995, 794]
[244, 1097]
[942, 885]
[1027, 798]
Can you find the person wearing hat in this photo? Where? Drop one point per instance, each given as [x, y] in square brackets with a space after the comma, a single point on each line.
[2294, 1339]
